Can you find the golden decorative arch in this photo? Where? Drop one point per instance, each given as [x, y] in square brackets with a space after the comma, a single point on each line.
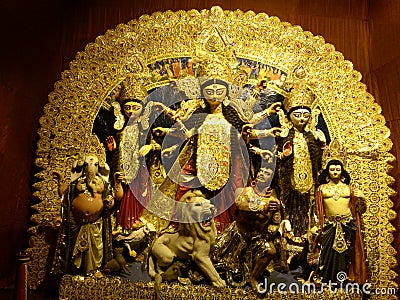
[350, 112]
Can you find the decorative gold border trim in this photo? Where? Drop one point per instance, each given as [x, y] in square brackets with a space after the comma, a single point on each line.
[73, 287]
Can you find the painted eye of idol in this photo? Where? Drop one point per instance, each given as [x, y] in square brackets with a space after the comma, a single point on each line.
[132, 109]
[301, 114]
[300, 117]
[216, 92]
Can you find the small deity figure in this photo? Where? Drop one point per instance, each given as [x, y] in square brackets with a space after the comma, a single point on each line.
[339, 208]
[300, 146]
[130, 149]
[251, 242]
[85, 237]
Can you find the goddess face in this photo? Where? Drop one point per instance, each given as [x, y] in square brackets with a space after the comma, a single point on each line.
[215, 93]
[300, 118]
[133, 109]
[335, 172]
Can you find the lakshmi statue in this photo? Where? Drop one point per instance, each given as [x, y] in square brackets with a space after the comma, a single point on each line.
[339, 209]
[131, 146]
[84, 243]
[300, 147]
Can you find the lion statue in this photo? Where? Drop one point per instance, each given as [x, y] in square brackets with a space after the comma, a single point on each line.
[193, 239]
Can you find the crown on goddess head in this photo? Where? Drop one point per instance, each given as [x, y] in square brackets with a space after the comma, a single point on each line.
[300, 95]
[215, 59]
[334, 151]
[132, 88]
[133, 85]
[212, 67]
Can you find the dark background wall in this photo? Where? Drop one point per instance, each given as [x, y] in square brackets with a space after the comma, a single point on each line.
[39, 39]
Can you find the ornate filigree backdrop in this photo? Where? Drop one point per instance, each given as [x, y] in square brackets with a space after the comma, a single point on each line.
[350, 112]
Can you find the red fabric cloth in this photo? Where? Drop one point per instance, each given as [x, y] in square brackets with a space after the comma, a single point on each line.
[131, 209]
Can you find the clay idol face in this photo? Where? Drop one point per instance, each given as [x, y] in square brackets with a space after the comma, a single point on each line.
[132, 109]
[264, 175]
[335, 171]
[215, 92]
[92, 166]
[300, 117]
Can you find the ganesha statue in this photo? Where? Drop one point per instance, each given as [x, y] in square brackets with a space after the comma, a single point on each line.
[84, 242]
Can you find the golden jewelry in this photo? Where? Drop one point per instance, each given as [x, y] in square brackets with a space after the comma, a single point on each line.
[214, 57]
[256, 203]
[119, 117]
[300, 95]
[334, 151]
[340, 244]
[302, 179]
[214, 152]
[129, 151]
[336, 190]
[133, 84]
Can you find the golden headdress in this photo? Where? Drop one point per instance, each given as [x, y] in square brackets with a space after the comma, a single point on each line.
[215, 58]
[334, 151]
[300, 95]
[132, 88]
[93, 146]
[211, 66]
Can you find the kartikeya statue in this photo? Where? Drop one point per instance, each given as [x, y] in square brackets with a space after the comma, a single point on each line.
[339, 208]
